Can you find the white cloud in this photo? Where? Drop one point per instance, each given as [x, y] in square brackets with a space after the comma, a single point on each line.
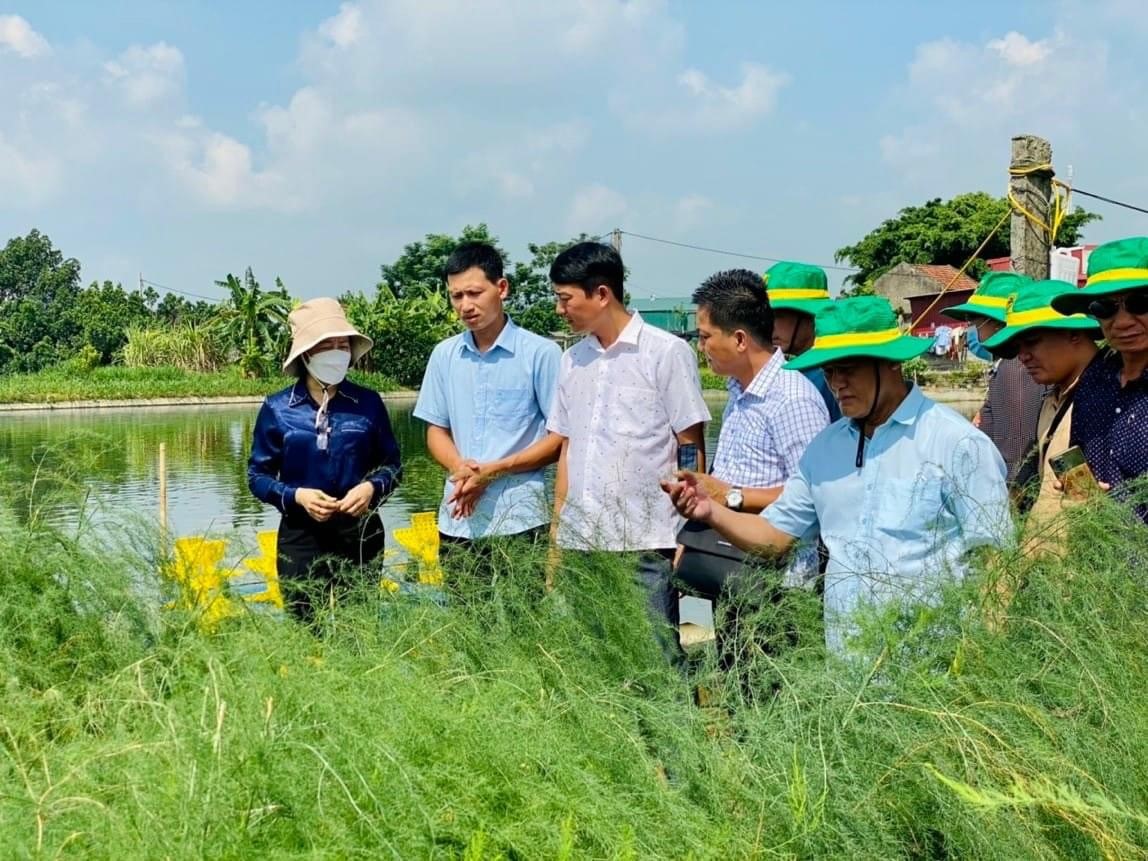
[17, 36]
[148, 74]
[596, 208]
[345, 28]
[691, 210]
[1017, 50]
[26, 179]
[703, 106]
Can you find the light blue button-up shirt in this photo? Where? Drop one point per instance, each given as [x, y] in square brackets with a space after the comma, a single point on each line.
[931, 488]
[494, 404]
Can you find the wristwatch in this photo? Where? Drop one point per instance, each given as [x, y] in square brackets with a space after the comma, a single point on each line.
[734, 500]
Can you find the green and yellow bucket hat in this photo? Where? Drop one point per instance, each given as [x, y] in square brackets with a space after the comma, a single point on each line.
[1112, 268]
[858, 327]
[1032, 308]
[797, 287]
[991, 297]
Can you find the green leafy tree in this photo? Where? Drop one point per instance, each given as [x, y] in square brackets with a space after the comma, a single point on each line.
[404, 328]
[175, 310]
[253, 322]
[105, 312]
[531, 296]
[420, 266]
[38, 288]
[943, 231]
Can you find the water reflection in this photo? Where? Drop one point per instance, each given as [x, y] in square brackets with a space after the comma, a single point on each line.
[102, 464]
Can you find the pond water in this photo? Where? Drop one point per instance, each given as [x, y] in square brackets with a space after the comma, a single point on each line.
[98, 468]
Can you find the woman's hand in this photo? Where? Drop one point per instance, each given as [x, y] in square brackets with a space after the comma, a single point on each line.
[318, 505]
[357, 500]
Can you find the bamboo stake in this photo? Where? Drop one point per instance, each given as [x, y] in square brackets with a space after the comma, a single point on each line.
[163, 488]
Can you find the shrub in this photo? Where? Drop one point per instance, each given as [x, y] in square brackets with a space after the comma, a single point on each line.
[191, 348]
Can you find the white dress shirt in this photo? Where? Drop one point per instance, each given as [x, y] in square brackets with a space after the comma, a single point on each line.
[620, 409]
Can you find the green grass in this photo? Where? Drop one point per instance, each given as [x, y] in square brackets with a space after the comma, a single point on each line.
[514, 726]
[119, 383]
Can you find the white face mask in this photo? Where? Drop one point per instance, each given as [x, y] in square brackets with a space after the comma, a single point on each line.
[329, 367]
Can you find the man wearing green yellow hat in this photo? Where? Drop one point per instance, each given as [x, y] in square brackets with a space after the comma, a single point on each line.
[1110, 421]
[1055, 350]
[899, 494]
[797, 291]
[1012, 403]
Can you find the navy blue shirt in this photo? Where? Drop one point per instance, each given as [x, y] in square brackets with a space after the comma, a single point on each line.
[285, 454]
[1110, 421]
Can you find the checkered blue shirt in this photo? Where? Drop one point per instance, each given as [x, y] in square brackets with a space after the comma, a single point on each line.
[766, 427]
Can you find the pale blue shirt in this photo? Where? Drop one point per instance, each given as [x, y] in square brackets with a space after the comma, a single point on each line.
[494, 404]
[932, 488]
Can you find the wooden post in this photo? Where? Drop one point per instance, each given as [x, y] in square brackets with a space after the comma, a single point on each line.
[1032, 189]
[616, 239]
[163, 489]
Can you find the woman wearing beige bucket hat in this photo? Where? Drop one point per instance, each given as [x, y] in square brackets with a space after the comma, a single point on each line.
[324, 454]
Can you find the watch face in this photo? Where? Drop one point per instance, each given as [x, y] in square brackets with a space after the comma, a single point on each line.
[733, 499]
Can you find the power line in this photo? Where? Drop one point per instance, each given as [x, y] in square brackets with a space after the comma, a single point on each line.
[180, 292]
[1110, 200]
[727, 253]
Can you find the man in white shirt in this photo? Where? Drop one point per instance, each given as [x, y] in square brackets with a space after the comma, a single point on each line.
[628, 395]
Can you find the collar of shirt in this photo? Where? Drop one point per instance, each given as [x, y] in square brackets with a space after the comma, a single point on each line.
[629, 334]
[761, 381]
[906, 413]
[1115, 362]
[300, 395]
[507, 339]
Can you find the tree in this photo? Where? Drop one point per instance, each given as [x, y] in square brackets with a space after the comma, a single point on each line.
[531, 297]
[254, 323]
[175, 310]
[103, 314]
[420, 267]
[943, 232]
[38, 288]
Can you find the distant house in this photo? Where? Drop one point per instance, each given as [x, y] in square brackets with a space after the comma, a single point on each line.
[914, 280]
[675, 314]
[1065, 264]
[927, 310]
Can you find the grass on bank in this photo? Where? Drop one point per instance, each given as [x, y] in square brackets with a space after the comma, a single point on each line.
[114, 382]
[511, 725]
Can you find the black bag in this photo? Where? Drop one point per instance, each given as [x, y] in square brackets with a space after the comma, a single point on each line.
[709, 563]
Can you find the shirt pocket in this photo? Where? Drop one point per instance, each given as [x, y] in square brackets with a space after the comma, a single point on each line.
[911, 510]
[512, 409]
[633, 411]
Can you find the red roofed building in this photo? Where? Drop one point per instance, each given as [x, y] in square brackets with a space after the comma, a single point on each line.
[915, 280]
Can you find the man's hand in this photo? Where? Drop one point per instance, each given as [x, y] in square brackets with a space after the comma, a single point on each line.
[1076, 493]
[318, 505]
[689, 498]
[357, 500]
[470, 481]
[714, 488]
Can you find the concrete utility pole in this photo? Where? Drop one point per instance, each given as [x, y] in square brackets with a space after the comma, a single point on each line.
[616, 239]
[1028, 245]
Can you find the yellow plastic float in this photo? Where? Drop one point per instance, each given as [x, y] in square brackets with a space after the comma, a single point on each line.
[204, 581]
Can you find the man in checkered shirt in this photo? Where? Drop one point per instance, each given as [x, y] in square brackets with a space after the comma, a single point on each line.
[771, 416]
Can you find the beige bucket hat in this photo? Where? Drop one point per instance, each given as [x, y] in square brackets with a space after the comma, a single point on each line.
[316, 320]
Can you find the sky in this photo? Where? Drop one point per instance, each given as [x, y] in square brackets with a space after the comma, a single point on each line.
[183, 141]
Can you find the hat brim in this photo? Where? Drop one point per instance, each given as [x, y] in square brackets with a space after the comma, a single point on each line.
[966, 312]
[800, 306]
[360, 346]
[1077, 301]
[904, 348]
[1001, 344]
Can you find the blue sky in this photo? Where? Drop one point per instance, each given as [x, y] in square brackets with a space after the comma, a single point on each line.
[312, 140]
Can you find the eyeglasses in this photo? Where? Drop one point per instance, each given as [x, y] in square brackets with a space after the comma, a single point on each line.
[1105, 309]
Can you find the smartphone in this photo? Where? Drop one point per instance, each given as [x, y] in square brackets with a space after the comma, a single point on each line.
[688, 456]
[1073, 472]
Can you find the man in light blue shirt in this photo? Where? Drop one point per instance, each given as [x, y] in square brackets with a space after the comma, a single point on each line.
[485, 397]
[900, 490]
